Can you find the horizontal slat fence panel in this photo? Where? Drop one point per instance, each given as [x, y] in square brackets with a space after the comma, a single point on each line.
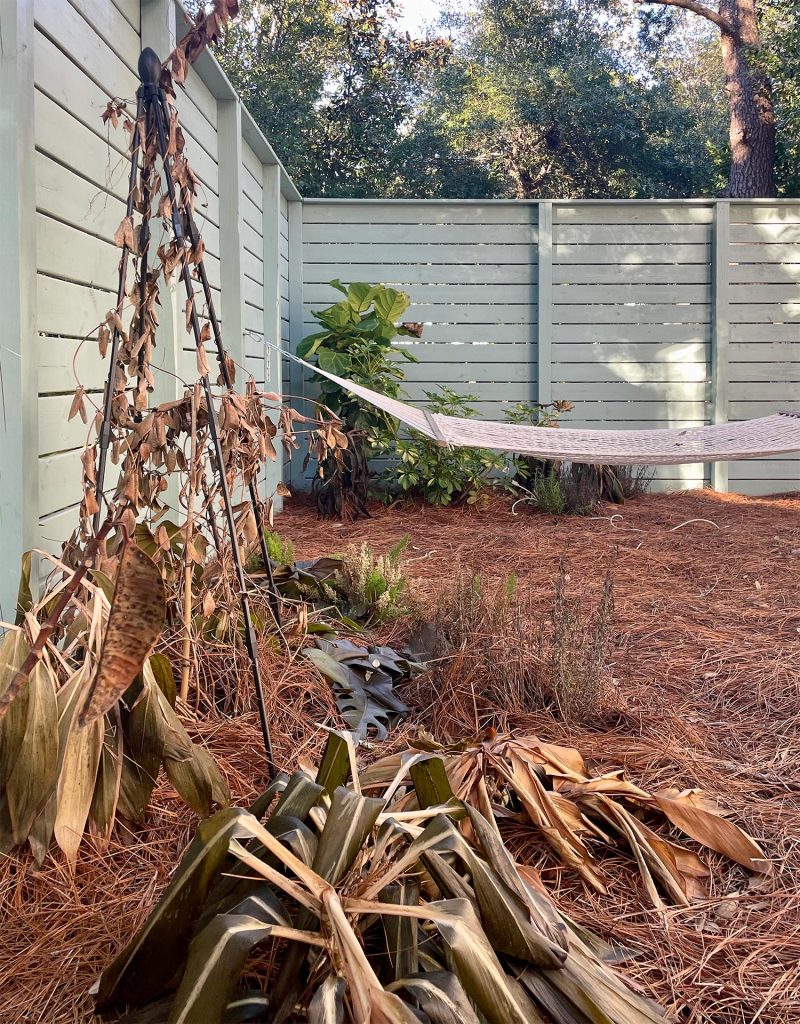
[628, 313]
[632, 297]
[764, 346]
[471, 273]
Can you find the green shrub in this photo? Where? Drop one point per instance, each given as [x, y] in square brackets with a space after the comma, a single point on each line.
[547, 494]
[279, 550]
[442, 475]
[356, 343]
[534, 414]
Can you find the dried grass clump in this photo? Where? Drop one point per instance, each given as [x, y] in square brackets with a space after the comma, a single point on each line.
[495, 651]
[576, 679]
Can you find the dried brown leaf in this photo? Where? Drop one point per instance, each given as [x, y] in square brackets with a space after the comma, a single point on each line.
[134, 625]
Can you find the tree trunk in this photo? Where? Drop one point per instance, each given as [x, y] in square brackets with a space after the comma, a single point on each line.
[752, 117]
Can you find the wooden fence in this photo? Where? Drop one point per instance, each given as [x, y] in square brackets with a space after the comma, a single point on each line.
[642, 313]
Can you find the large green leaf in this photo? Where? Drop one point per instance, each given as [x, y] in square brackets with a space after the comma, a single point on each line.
[151, 963]
[349, 822]
[299, 795]
[337, 758]
[363, 682]
[586, 990]
[360, 295]
[327, 1004]
[13, 651]
[334, 362]
[401, 932]
[109, 772]
[391, 304]
[309, 345]
[216, 958]
[504, 911]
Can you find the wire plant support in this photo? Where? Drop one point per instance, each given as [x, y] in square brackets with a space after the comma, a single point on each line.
[153, 123]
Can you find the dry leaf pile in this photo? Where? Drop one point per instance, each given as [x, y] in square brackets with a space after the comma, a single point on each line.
[524, 780]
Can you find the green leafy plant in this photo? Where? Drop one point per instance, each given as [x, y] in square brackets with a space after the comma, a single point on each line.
[535, 414]
[370, 588]
[547, 494]
[369, 914]
[443, 475]
[363, 680]
[356, 343]
[279, 550]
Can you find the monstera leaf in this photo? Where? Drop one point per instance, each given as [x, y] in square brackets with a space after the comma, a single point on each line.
[363, 681]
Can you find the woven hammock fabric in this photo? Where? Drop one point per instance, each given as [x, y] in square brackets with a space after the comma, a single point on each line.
[749, 439]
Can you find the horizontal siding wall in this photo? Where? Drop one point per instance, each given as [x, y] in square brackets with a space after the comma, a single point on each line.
[85, 53]
[610, 305]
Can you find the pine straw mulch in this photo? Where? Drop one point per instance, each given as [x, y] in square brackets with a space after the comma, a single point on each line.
[707, 657]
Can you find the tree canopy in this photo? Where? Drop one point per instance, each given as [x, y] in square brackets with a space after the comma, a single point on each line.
[520, 98]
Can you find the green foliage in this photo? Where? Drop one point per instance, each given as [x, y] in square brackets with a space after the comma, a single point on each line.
[442, 475]
[278, 549]
[779, 58]
[368, 915]
[527, 468]
[334, 84]
[547, 494]
[371, 588]
[356, 343]
[537, 414]
[57, 777]
[546, 98]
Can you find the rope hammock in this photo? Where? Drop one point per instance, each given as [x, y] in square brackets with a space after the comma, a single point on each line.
[749, 439]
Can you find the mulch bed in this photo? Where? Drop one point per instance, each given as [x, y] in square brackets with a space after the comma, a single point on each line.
[706, 655]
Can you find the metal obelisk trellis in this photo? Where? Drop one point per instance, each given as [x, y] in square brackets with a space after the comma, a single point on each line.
[152, 116]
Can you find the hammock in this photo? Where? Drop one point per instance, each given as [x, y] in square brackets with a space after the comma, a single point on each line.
[749, 439]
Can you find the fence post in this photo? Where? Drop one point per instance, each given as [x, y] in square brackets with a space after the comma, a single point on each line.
[271, 231]
[296, 328]
[229, 135]
[544, 294]
[720, 333]
[19, 458]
